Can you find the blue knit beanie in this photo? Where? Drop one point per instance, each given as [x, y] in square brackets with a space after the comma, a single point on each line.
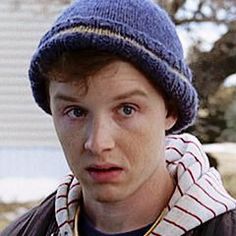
[138, 30]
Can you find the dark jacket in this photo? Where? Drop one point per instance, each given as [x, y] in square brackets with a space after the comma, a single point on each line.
[40, 221]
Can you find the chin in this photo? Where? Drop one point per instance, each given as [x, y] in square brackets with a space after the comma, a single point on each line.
[107, 195]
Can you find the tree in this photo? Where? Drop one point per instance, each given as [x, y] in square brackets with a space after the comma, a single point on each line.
[210, 68]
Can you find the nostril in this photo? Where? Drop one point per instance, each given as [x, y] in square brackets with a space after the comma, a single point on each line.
[99, 142]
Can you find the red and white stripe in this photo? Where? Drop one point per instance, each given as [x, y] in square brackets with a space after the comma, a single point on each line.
[67, 201]
[198, 197]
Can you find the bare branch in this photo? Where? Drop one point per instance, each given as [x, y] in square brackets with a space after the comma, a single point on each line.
[176, 5]
[214, 66]
[199, 9]
[200, 20]
[172, 6]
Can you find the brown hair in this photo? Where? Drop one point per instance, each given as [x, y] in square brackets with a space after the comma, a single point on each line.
[82, 65]
[77, 65]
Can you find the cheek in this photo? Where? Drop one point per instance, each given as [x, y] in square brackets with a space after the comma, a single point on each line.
[71, 139]
[142, 145]
[146, 144]
[62, 132]
[72, 149]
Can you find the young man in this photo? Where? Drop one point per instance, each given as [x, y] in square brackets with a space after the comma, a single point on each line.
[112, 75]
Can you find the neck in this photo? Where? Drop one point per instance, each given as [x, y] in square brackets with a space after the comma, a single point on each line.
[140, 209]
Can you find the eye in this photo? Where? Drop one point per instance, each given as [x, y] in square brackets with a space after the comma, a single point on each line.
[127, 110]
[76, 112]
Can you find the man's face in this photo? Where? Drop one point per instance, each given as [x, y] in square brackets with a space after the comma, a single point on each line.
[112, 134]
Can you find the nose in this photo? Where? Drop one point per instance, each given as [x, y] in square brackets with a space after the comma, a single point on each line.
[99, 137]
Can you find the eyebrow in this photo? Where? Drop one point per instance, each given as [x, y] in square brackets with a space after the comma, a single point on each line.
[64, 97]
[131, 94]
[126, 95]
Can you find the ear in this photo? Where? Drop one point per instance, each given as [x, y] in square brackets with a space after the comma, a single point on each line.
[170, 121]
[171, 114]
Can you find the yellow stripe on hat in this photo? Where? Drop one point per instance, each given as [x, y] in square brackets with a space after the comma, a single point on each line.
[109, 33]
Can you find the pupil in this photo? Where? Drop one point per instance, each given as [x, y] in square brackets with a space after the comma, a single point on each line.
[127, 110]
[77, 112]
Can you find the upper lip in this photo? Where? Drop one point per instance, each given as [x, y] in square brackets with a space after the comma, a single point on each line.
[106, 166]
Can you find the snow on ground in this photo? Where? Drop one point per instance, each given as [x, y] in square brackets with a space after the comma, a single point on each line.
[225, 154]
[230, 81]
[29, 174]
[25, 177]
[226, 148]
[26, 190]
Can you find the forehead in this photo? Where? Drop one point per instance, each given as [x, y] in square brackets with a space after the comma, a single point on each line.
[116, 77]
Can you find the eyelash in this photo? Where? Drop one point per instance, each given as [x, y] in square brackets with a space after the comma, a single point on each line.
[73, 109]
[127, 105]
[83, 112]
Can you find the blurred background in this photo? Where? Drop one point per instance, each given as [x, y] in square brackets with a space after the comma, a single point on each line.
[31, 160]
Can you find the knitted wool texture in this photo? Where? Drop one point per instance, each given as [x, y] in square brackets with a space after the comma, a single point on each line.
[137, 30]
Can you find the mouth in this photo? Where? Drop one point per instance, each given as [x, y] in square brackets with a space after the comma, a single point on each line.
[104, 173]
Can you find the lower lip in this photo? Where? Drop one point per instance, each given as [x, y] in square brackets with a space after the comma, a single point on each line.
[105, 176]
